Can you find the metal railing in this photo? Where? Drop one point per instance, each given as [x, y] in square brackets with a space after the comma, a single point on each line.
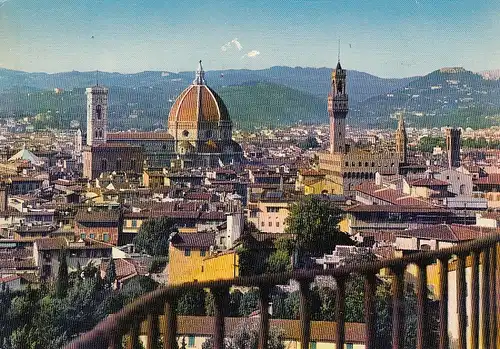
[126, 324]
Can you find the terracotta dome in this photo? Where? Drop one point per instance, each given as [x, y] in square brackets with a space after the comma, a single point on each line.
[198, 100]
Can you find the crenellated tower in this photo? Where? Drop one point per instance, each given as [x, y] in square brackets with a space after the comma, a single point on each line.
[401, 141]
[337, 110]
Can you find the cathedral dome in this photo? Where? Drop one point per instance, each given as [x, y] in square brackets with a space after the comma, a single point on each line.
[198, 102]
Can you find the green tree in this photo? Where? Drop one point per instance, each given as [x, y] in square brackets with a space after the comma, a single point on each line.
[249, 302]
[192, 302]
[62, 276]
[280, 260]
[314, 223]
[110, 276]
[153, 236]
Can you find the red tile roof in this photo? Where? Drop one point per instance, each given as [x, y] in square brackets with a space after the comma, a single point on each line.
[195, 240]
[128, 136]
[428, 182]
[321, 331]
[492, 178]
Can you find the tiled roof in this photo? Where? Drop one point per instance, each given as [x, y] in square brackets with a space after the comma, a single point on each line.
[492, 178]
[391, 196]
[124, 268]
[60, 242]
[428, 182]
[398, 209]
[321, 331]
[126, 136]
[104, 216]
[446, 232]
[213, 215]
[193, 240]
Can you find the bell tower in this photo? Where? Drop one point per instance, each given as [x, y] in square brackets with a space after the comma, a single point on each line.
[97, 115]
[401, 140]
[337, 110]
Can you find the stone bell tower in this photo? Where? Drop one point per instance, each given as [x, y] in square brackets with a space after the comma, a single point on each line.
[337, 110]
[97, 115]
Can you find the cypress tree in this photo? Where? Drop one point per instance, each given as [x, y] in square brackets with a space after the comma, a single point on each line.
[62, 276]
[110, 277]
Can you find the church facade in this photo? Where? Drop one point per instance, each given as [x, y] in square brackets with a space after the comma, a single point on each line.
[343, 166]
[199, 134]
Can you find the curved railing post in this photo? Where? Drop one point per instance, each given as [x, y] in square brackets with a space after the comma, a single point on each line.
[170, 325]
[340, 312]
[370, 311]
[220, 296]
[264, 316]
[461, 302]
[475, 301]
[398, 308]
[422, 335]
[443, 303]
[305, 313]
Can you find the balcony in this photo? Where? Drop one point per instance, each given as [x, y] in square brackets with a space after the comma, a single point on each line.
[154, 315]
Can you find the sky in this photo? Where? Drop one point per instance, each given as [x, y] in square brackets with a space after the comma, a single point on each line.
[387, 38]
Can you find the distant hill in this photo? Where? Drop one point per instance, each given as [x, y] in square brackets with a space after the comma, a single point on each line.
[449, 96]
[490, 74]
[276, 96]
[265, 104]
[315, 81]
[143, 100]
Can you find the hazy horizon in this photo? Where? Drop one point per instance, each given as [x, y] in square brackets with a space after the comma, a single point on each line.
[389, 39]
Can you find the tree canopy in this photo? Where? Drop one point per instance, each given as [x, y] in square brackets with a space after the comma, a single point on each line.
[153, 236]
[314, 223]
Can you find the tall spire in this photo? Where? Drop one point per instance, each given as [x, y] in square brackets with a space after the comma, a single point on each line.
[200, 75]
[339, 52]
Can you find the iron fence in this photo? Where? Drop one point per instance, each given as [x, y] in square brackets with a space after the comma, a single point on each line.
[124, 326]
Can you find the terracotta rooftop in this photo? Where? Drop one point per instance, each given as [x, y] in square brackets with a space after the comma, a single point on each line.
[103, 216]
[446, 232]
[428, 182]
[125, 136]
[321, 331]
[391, 196]
[492, 178]
[196, 240]
[60, 242]
[398, 209]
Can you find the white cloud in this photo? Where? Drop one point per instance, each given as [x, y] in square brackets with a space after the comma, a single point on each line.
[251, 54]
[228, 45]
[3, 2]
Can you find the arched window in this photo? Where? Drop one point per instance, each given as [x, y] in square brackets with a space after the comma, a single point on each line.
[373, 164]
[366, 164]
[462, 189]
[98, 112]
[348, 174]
[357, 175]
[362, 175]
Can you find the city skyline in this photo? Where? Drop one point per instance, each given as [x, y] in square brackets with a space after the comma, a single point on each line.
[400, 38]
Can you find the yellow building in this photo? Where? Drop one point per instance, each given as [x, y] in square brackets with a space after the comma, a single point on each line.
[153, 178]
[191, 259]
[195, 330]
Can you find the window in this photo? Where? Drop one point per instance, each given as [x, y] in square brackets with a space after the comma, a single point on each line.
[92, 236]
[104, 164]
[277, 224]
[134, 223]
[187, 252]
[270, 224]
[346, 164]
[82, 236]
[202, 253]
[118, 164]
[312, 345]
[273, 209]
[262, 224]
[98, 112]
[349, 346]
[105, 237]
[191, 341]
[133, 163]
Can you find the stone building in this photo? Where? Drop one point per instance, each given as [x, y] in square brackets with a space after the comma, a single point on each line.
[199, 132]
[345, 167]
[453, 147]
[99, 156]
